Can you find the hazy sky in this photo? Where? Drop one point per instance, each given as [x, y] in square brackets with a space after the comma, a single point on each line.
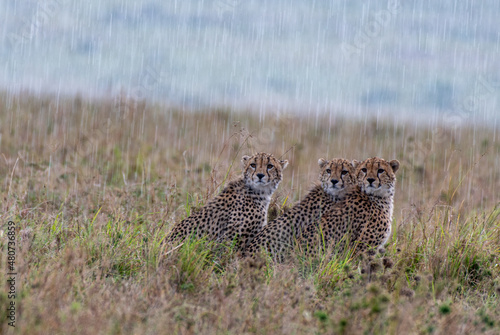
[355, 57]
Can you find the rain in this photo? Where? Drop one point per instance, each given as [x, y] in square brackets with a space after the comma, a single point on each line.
[359, 58]
[119, 119]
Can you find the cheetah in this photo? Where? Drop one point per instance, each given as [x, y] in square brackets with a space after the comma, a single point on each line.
[364, 216]
[240, 210]
[335, 179]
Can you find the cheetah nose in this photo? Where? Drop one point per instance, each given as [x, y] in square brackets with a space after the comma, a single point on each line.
[334, 181]
[370, 180]
[260, 175]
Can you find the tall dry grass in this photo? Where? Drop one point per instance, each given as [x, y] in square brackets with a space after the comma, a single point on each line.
[94, 187]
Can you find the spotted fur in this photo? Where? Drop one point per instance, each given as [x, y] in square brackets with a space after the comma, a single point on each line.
[240, 210]
[363, 218]
[335, 179]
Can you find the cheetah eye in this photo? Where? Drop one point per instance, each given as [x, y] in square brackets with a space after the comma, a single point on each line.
[328, 171]
[344, 172]
[253, 165]
[270, 166]
[381, 171]
[364, 170]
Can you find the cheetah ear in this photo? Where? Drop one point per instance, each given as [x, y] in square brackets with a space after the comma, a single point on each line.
[322, 162]
[244, 160]
[284, 164]
[355, 163]
[394, 165]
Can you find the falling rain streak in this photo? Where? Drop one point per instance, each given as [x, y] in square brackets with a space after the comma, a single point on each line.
[408, 60]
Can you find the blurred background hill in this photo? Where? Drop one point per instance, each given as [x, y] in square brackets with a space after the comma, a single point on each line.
[417, 58]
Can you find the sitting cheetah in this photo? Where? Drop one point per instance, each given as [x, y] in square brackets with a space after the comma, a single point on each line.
[364, 216]
[336, 177]
[241, 208]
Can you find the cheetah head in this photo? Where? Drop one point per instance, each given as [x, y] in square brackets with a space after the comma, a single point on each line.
[376, 176]
[337, 175]
[263, 171]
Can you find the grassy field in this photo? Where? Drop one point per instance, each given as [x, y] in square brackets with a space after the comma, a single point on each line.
[93, 188]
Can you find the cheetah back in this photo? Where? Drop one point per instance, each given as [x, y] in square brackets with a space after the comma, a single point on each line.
[278, 236]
